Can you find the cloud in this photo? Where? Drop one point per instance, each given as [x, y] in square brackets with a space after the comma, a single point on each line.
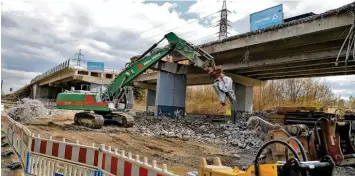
[241, 9]
[38, 35]
[343, 86]
[15, 79]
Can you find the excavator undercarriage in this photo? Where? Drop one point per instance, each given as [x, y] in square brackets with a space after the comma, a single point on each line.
[89, 119]
[98, 119]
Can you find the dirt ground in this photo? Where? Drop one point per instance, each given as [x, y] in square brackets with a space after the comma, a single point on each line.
[180, 156]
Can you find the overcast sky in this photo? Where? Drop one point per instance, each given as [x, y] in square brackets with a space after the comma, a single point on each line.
[37, 35]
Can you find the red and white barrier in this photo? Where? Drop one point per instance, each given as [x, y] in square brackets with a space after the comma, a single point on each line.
[41, 156]
[61, 149]
[46, 166]
[17, 136]
[120, 164]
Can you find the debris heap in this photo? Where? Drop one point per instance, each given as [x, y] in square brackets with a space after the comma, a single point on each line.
[199, 128]
[26, 109]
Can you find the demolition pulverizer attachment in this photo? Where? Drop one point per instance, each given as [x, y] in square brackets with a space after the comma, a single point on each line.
[224, 88]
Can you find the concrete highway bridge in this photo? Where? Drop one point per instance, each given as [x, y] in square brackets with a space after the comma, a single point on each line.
[306, 47]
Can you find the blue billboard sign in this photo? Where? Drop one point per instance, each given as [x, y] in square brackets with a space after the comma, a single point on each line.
[95, 66]
[265, 18]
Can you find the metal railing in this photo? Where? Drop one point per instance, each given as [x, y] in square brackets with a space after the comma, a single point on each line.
[52, 71]
[68, 64]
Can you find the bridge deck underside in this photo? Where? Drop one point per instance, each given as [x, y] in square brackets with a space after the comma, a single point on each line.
[307, 55]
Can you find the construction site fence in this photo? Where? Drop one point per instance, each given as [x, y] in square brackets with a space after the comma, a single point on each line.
[46, 156]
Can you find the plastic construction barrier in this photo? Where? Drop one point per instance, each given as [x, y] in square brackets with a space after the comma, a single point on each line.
[45, 156]
[43, 165]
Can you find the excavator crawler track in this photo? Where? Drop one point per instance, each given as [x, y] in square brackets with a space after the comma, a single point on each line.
[121, 118]
[91, 120]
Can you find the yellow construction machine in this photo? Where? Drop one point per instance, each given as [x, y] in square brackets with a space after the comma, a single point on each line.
[318, 142]
[290, 167]
[327, 137]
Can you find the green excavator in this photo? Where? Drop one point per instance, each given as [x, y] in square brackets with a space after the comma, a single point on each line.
[113, 105]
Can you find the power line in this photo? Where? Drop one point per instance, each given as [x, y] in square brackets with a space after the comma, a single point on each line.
[163, 24]
[170, 22]
[43, 20]
[186, 24]
[153, 27]
[204, 37]
[223, 22]
[145, 39]
[184, 37]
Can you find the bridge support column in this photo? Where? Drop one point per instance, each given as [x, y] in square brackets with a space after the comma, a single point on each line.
[150, 103]
[34, 91]
[244, 96]
[45, 92]
[170, 94]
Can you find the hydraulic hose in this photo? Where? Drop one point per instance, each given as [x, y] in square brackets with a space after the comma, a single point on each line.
[315, 130]
[150, 49]
[304, 156]
[256, 164]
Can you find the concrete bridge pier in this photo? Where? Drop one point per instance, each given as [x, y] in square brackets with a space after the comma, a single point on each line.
[150, 101]
[244, 96]
[45, 92]
[170, 94]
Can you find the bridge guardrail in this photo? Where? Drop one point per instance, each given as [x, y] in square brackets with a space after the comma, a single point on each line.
[45, 156]
[70, 63]
[52, 71]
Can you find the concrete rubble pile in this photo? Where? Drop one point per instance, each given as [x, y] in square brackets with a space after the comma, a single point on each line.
[26, 109]
[53, 113]
[202, 129]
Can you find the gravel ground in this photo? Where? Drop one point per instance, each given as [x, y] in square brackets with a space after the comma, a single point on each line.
[234, 143]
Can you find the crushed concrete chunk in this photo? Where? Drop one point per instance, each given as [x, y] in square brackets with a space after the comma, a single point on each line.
[26, 109]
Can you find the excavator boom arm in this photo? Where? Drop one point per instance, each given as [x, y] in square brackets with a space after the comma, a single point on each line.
[187, 50]
[134, 70]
